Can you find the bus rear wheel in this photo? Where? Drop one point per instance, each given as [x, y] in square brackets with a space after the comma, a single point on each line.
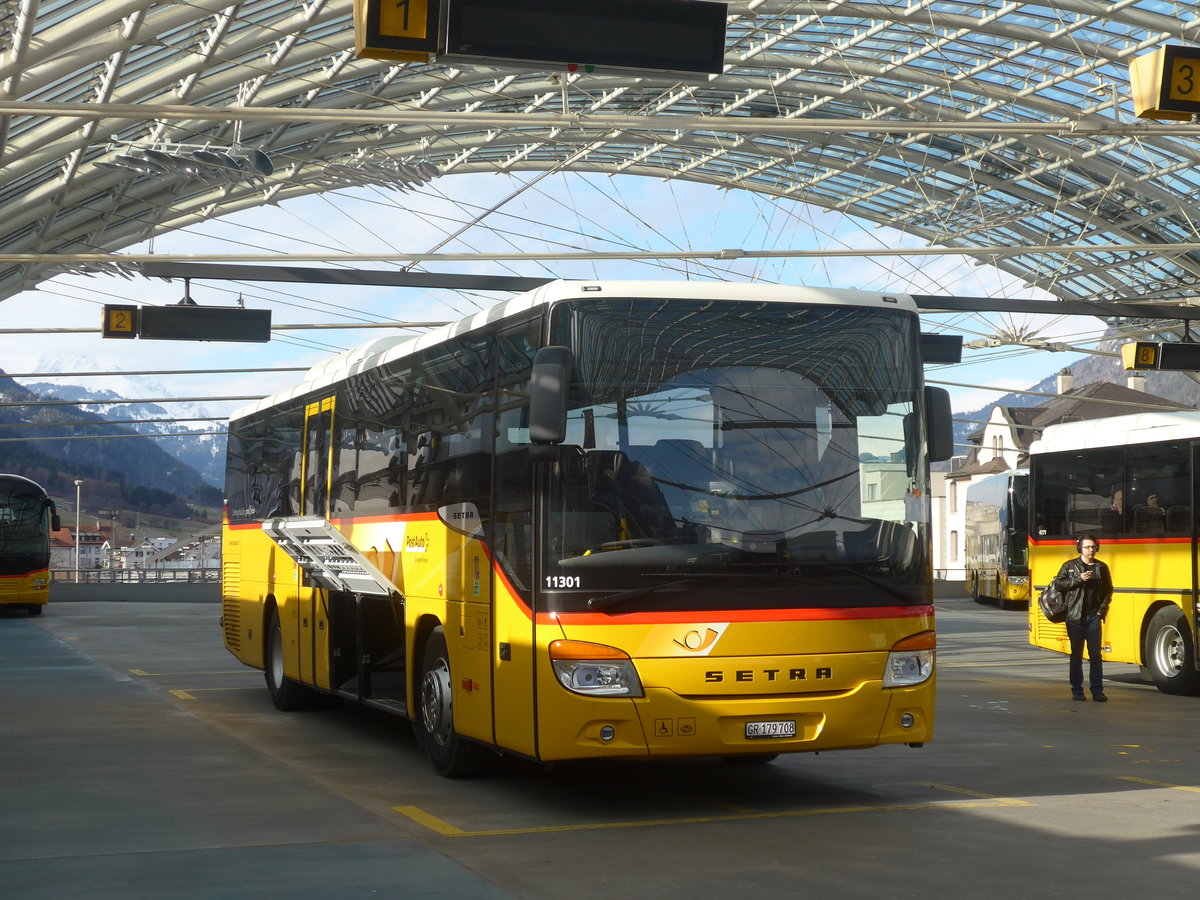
[287, 695]
[452, 755]
[1170, 655]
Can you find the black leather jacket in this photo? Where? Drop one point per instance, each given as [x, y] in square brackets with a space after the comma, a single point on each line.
[1084, 598]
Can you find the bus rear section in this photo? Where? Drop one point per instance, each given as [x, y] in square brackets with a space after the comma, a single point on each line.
[1130, 482]
[27, 516]
[996, 525]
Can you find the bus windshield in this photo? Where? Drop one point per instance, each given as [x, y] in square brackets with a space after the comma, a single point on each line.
[23, 530]
[719, 450]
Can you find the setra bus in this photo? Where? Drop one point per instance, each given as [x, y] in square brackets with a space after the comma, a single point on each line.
[1131, 481]
[603, 520]
[27, 516]
[997, 538]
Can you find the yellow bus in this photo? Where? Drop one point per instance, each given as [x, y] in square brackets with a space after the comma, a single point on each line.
[1131, 482]
[27, 516]
[997, 539]
[603, 520]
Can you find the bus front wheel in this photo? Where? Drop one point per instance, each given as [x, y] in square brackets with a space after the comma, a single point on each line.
[1170, 656]
[287, 695]
[452, 755]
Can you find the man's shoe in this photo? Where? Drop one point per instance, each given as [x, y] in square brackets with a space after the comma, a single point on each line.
[1099, 697]
[1078, 695]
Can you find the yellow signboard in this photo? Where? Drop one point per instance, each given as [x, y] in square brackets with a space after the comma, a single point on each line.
[1184, 83]
[396, 30]
[120, 321]
[1139, 355]
[1165, 84]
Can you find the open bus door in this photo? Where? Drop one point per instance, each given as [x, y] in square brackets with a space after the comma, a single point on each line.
[312, 611]
[1191, 599]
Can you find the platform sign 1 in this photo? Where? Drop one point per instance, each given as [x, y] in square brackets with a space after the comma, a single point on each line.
[396, 30]
[1165, 84]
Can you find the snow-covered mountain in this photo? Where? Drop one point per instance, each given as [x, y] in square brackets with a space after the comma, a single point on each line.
[196, 445]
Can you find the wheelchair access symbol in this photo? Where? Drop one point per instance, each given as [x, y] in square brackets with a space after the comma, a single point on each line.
[675, 727]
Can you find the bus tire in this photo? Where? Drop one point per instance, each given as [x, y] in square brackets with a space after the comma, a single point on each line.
[287, 695]
[452, 755]
[1170, 655]
[35, 610]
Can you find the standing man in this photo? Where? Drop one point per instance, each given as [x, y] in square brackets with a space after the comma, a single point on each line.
[1087, 585]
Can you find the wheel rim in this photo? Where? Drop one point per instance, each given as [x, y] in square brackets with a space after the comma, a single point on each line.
[1169, 651]
[435, 701]
[276, 658]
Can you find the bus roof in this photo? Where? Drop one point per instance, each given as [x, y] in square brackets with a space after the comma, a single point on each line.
[27, 483]
[1119, 431]
[998, 478]
[383, 350]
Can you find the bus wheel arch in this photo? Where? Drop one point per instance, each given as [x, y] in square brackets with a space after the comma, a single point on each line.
[286, 695]
[1168, 652]
[452, 755]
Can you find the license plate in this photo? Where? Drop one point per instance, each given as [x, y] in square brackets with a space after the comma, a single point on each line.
[785, 729]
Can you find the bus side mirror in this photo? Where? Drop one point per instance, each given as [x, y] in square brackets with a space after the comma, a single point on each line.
[939, 424]
[548, 385]
[55, 521]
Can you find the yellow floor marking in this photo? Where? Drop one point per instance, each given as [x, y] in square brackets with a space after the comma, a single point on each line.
[190, 692]
[144, 674]
[1162, 784]
[949, 788]
[720, 803]
[990, 665]
[445, 829]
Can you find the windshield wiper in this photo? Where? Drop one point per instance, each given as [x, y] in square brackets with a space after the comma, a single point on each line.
[608, 601]
[878, 582]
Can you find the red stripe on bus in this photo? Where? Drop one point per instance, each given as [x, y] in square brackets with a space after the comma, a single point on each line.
[364, 520]
[823, 614]
[1110, 541]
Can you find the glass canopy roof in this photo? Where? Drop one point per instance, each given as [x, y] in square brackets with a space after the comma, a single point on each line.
[998, 125]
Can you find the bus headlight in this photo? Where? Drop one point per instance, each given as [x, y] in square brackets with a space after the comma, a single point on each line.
[594, 670]
[1018, 579]
[910, 660]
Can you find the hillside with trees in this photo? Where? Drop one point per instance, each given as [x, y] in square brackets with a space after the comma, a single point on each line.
[128, 472]
[1176, 386]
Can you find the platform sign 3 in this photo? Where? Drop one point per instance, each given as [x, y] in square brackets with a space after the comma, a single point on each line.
[1165, 83]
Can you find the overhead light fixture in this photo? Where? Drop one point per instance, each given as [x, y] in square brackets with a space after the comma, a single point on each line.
[200, 162]
[362, 171]
[127, 270]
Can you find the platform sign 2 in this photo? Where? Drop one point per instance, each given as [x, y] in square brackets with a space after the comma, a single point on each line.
[120, 321]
